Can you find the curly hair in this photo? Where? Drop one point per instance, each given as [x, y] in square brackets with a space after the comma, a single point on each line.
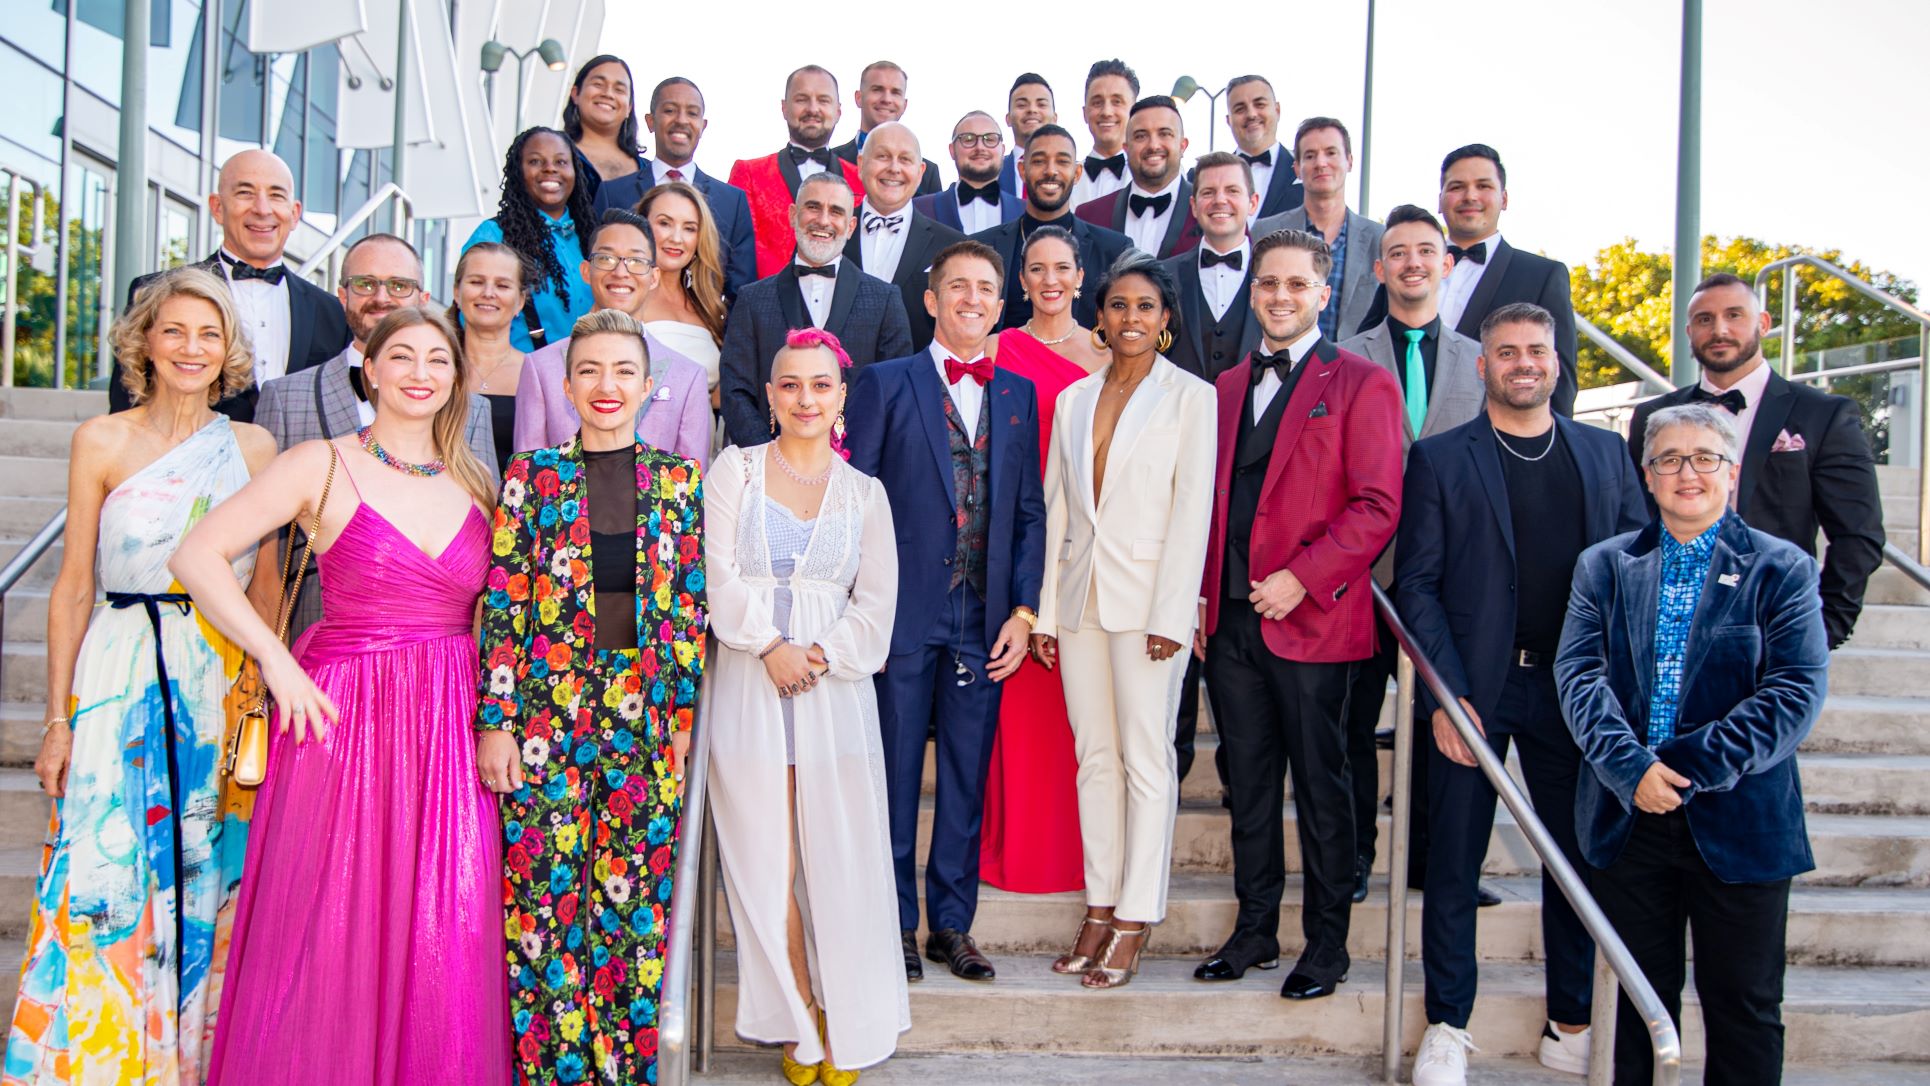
[524, 226]
[703, 278]
[129, 334]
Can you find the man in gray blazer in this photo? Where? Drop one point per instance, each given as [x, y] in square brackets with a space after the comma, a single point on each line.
[381, 273]
[1324, 155]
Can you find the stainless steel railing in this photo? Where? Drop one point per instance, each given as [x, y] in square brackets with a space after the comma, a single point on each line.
[329, 252]
[19, 564]
[1623, 356]
[688, 996]
[1611, 952]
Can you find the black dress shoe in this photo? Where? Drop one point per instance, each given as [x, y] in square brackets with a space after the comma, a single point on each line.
[1362, 867]
[1485, 896]
[914, 969]
[1301, 986]
[1240, 954]
[954, 948]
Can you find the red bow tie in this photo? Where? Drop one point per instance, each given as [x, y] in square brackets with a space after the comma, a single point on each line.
[980, 371]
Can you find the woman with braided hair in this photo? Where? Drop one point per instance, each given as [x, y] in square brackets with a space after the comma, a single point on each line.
[545, 216]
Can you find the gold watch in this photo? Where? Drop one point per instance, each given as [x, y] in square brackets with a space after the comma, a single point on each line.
[1029, 616]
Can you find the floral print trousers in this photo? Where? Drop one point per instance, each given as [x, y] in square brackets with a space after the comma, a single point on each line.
[590, 842]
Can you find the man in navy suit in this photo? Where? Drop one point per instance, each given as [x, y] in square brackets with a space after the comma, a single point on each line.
[981, 198]
[1155, 210]
[1028, 107]
[676, 121]
[1253, 113]
[955, 442]
[1051, 162]
[1494, 513]
[817, 289]
[1693, 663]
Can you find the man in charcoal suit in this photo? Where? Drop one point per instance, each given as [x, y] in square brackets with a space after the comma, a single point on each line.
[1324, 156]
[893, 241]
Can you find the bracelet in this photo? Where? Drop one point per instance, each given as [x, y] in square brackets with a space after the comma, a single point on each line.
[49, 726]
[773, 647]
[1026, 615]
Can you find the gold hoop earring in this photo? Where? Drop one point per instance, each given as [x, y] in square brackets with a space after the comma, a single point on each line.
[1099, 339]
[1165, 341]
[837, 428]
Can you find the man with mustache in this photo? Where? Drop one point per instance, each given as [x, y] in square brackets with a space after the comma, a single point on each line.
[811, 112]
[1155, 210]
[1111, 90]
[1253, 113]
[1494, 513]
[894, 241]
[981, 198]
[880, 99]
[1806, 463]
[1051, 162]
[818, 288]
[1323, 157]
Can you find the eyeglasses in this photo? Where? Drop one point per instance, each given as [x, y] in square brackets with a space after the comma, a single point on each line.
[636, 265]
[969, 140]
[397, 287]
[1703, 463]
[1268, 284]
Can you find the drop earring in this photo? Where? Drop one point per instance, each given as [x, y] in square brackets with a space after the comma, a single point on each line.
[837, 428]
[773, 422]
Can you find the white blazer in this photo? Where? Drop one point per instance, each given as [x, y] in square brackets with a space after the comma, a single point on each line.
[1133, 560]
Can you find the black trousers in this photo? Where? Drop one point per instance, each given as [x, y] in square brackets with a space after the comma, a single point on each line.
[1654, 889]
[1363, 714]
[1277, 716]
[1460, 815]
[1186, 723]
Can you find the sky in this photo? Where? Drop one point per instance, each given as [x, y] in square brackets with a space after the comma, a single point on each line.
[1812, 123]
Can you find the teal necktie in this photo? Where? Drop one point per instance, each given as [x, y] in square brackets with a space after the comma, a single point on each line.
[1416, 381]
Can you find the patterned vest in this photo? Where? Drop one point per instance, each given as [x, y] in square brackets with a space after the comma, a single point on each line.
[972, 493]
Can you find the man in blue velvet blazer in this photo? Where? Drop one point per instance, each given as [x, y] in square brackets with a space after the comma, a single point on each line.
[956, 444]
[1693, 662]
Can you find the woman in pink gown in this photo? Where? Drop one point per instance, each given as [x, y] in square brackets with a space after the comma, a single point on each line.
[1030, 840]
[368, 940]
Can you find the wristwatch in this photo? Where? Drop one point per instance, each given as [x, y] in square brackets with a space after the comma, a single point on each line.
[1026, 614]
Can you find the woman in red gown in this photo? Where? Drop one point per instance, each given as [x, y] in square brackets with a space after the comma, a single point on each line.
[1030, 841]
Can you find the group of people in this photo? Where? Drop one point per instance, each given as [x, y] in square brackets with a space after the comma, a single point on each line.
[998, 474]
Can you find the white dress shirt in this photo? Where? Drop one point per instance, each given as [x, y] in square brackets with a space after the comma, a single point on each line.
[977, 215]
[364, 410]
[809, 166]
[1270, 383]
[262, 309]
[817, 292]
[1219, 283]
[1752, 387]
[687, 173]
[1148, 231]
[1085, 188]
[881, 248]
[967, 395]
[1263, 174]
[1461, 282]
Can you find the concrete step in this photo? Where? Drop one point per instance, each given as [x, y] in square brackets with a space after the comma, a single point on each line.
[1874, 784]
[21, 517]
[26, 618]
[40, 575]
[1886, 672]
[19, 872]
[50, 439]
[1892, 626]
[1891, 585]
[47, 403]
[1864, 724]
[33, 476]
[1894, 479]
[20, 731]
[23, 671]
[1828, 1013]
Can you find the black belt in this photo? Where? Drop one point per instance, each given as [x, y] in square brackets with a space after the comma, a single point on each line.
[1530, 659]
[151, 602]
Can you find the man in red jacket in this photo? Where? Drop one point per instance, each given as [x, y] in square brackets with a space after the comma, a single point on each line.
[1307, 494]
[811, 112]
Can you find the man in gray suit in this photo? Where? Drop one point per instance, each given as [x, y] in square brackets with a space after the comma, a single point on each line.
[1324, 155]
[381, 273]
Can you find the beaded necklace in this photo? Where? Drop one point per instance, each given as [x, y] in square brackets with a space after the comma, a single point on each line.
[374, 448]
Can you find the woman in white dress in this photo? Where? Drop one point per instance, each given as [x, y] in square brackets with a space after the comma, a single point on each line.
[802, 575]
[686, 312]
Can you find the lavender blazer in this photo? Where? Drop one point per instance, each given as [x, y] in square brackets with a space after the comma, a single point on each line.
[677, 418]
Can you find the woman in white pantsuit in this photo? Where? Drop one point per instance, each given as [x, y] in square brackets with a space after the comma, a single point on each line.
[1129, 492]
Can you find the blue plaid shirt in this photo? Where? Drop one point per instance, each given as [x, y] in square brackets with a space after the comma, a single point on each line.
[1330, 316]
[1684, 567]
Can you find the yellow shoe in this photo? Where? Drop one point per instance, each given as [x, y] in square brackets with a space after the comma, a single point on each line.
[799, 1074]
[832, 1076]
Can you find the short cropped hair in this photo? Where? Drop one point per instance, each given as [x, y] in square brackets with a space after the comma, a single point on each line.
[1516, 313]
[1315, 124]
[1407, 213]
[1475, 150]
[616, 216]
[372, 239]
[1153, 270]
[607, 322]
[129, 334]
[962, 249]
[1102, 68]
[1323, 256]
[1703, 416]
[1721, 279]
[1028, 79]
[818, 69]
[829, 177]
[1215, 159]
[886, 66]
[1239, 81]
[656, 93]
[1051, 130]
[1153, 101]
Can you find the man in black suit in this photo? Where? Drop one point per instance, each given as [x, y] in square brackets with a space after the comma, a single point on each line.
[1051, 162]
[1806, 463]
[1111, 89]
[1253, 113]
[817, 289]
[1155, 210]
[676, 122]
[292, 323]
[892, 241]
[880, 99]
[980, 199]
[1028, 105]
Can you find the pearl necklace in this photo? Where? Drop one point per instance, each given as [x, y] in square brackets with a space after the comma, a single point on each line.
[1050, 342]
[1499, 440]
[784, 466]
[374, 448]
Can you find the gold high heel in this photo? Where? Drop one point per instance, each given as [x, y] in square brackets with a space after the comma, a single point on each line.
[1073, 961]
[828, 1074]
[1103, 976]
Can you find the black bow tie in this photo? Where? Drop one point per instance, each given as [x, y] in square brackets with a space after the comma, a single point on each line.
[1732, 399]
[1156, 204]
[239, 271]
[1116, 166]
[1280, 365]
[887, 223]
[967, 193]
[821, 156]
[829, 271]
[1478, 252]
[1264, 158]
[1234, 260]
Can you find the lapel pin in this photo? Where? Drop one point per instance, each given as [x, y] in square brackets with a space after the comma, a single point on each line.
[1729, 580]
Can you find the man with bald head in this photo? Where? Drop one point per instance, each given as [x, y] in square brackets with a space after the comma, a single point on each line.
[811, 113]
[292, 323]
[982, 197]
[893, 240]
[880, 99]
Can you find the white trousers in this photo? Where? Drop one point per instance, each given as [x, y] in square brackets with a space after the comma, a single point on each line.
[1122, 704]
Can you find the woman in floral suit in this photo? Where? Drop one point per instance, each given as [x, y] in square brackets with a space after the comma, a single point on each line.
[593, 635]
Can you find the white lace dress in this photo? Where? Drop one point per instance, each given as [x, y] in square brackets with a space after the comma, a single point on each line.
[842, 598]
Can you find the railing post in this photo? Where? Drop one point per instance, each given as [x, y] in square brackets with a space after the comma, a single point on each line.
[1601, 1026]
[1792, 283]
[1402, 773]
[1923, 444]
[703, 1023]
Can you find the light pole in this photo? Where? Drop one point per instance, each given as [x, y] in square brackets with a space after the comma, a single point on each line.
[1185, 87]
[494, 51]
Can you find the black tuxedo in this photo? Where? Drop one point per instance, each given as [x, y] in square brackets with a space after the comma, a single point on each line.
[924, 240]
[730, 209]
[866, 314]
[1513, 275]
[927, 185]
[1284, 191]
[1205, 347]
[317, 332]
[943, 206]
[1182, 233]
[1829, 483]
[1098, 248]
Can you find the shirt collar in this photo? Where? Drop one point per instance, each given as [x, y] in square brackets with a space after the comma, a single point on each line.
[866, 211]
[1751, 386]
[1245, 247]
[1697, 549]
[1430, 330]
[228, 257]
[561, 224]
[1172, 187]
[939, 354]
[835, 261]
[1492, 241]
[1300, 348]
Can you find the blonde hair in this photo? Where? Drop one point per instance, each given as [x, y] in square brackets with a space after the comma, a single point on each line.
[129, 334]
[606, 322]
[452, 418]
[703, 278]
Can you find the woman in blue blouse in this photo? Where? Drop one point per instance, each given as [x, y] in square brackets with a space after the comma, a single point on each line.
[546, 217]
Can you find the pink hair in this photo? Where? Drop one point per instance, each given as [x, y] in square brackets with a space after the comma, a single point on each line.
[811, 339]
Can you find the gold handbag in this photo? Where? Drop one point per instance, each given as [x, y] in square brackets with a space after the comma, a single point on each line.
[248, 754]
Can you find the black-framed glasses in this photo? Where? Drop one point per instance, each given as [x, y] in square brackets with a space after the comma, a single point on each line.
[1703, 463]
[969, 140]
[397, 286]
[635, 265]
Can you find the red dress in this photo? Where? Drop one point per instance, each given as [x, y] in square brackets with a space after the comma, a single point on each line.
[1030, 841]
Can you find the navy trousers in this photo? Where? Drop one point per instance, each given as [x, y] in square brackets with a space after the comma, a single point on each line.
[925, 693]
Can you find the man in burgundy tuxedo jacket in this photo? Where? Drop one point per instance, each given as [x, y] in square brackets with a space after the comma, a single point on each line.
[1156, 209]
[811, 112]
[1308, 493]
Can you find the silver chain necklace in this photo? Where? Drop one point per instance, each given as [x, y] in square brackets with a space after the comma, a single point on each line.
[1501, 441]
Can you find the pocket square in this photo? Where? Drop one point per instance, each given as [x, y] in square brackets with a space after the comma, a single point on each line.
[1319, 410]
[1788, 442]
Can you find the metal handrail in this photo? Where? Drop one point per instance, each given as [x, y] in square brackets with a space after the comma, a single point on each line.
[18, 566]
[389, 193]
[693, 930]
[1902, 560]
[1859, 370]
[1663, 1037]
[1623, 356]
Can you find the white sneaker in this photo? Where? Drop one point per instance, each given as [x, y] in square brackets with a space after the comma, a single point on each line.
[1565, 1051]
[1443, 1059]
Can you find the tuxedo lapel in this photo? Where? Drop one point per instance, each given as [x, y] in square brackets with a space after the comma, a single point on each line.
[787, 169]
[1119, 202]
[1771, 414]
[1483, 446]
[790, 297]
[918, 254]
[842, 295]
[928, 396]
[1321, 363]
[301, 318]
[1192, 311]
[1178, 222]
[1482, 300]
[853, 249]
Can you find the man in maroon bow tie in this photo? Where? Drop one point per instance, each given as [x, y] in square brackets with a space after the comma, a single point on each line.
[956, 444]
